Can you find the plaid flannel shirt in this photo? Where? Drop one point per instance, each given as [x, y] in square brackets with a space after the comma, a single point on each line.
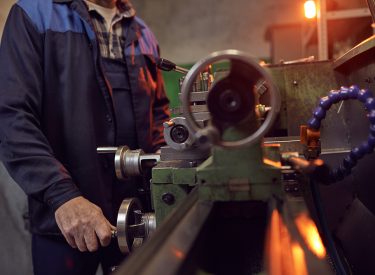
[111, 43]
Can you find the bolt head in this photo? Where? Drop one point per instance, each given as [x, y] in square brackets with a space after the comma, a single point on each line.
[168, 198]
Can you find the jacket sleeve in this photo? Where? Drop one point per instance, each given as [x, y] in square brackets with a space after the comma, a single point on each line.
[160, 111]
[24, 149]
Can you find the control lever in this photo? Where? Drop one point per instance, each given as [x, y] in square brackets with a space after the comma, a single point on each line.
[128, 162]
[166, 65]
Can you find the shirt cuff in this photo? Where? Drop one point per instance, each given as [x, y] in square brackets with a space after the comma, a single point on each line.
[61, 192]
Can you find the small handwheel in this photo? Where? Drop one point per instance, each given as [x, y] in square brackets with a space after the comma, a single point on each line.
[230, 99]
[125, 219]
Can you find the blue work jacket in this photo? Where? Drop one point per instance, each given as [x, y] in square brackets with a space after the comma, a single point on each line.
[56, 106]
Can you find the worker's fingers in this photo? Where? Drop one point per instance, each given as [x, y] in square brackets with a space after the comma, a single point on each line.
[80, 241]
[81, 221]
[70, 240]
[67, 235]
[91, 240]
[114, 228]
[103, 231]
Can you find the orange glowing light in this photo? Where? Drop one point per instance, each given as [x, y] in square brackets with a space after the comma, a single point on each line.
[178, 253]
[279, 248]
[275, 258]
[284, 255]
[273, 163]
[310, 234]
[277, 145]
[310, 9]
[299, 259]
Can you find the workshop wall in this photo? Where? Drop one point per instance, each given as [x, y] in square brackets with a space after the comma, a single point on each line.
[189, 30]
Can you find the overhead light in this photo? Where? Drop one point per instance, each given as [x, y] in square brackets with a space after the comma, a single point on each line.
[310, 9]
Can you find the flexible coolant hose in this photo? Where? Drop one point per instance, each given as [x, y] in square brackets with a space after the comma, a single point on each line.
[365, 96]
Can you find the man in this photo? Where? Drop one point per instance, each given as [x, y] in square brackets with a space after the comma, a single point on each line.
[76, 75]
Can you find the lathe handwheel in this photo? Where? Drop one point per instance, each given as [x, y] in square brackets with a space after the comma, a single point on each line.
[248, 62]
[125, 218]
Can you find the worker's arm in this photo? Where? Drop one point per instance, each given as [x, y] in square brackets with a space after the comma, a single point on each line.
[160, 111]
[24, 149]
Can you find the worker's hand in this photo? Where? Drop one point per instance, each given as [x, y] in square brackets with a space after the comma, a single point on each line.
[82, 224]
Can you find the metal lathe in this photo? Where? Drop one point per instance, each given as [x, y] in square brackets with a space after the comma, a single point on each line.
[267, 170]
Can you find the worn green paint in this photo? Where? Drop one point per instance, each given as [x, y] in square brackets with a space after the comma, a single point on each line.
[162, 209]
[172, 87]
[239, 174]
[277, 74]
[167, 178]
[172, 80]
[165, 175]
[301, 85]
[228, 175]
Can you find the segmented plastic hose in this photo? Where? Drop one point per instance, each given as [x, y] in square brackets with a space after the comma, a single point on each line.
[365, 96]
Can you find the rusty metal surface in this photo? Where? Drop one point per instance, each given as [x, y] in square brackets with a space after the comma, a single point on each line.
[358, 67]
[197, 96]
[358, 50]
[287, 144]
[194, 109]
[359, 70]
[277, 73]
[302, 85]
